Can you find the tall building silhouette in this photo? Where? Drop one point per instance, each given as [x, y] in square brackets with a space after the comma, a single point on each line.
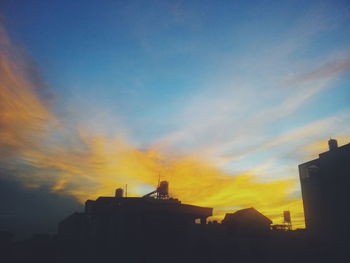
[325, 186]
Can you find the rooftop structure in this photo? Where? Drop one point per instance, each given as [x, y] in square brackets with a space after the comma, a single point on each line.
[247, 221]
[119, 218]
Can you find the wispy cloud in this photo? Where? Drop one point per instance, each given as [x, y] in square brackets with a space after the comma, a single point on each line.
[330, 69]
[43, 149]
[237, 111]
[24, 114]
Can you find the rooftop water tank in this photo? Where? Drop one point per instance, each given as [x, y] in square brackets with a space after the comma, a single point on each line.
[163, 189]
[119, 193]
[332, 144]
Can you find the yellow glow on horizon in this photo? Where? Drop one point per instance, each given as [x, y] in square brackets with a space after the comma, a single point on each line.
[113, 163]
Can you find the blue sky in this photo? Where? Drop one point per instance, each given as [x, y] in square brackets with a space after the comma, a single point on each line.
[252, 86]
[164, 67]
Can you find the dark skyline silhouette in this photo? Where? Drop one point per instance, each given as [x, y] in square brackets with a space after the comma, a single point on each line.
[158, 228]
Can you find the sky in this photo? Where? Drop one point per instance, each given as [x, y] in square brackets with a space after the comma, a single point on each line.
[221, 98]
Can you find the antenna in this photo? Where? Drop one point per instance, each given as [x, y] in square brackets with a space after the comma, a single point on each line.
[158, 184]
[287, 219]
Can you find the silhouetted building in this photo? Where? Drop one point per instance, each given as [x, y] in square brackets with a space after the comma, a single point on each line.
[247, 221]
[325, 184]
[140, 223]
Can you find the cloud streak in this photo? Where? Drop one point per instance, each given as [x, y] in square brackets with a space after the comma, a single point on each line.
[24, 115]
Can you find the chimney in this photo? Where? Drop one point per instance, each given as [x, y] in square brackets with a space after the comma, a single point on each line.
[332, 144]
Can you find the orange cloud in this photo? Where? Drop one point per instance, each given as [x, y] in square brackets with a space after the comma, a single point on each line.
[23, 114]
[87, 165]
[109, 163]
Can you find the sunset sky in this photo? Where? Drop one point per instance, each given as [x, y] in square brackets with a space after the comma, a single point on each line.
[221, 98]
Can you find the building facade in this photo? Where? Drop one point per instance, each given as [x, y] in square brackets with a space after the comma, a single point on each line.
[325, 186]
